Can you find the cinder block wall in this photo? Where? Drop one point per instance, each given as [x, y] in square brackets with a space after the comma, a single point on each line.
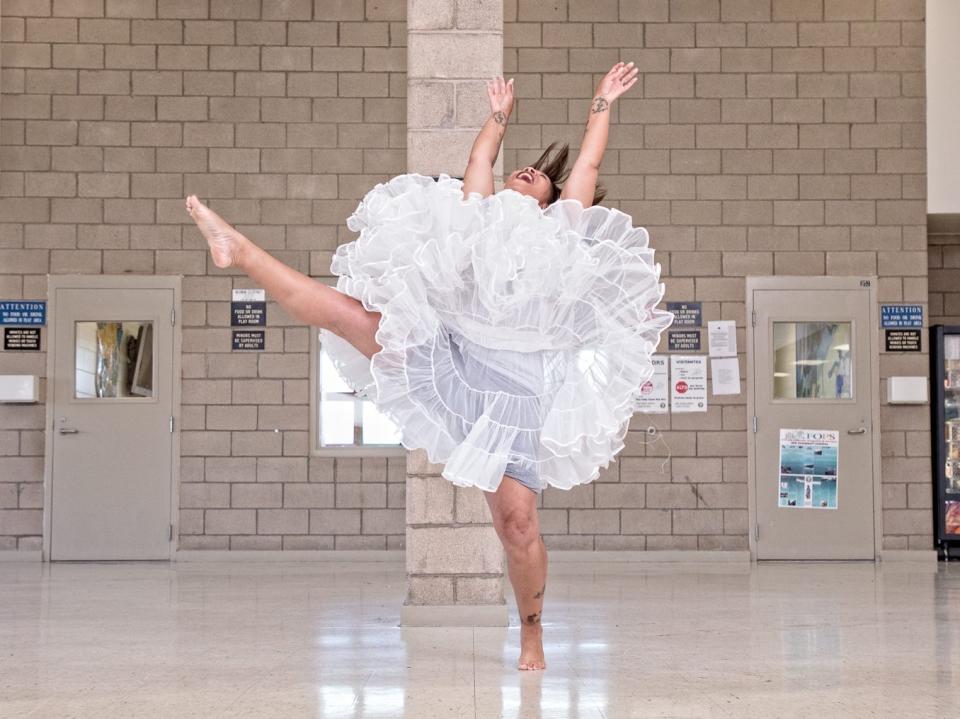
[765, 137]
[944, 263]
[280, 113]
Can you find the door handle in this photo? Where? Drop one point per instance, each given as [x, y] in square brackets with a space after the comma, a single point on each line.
[69, 430]
[858, 430]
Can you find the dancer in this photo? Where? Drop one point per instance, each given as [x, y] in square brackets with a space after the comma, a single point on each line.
[505, 333]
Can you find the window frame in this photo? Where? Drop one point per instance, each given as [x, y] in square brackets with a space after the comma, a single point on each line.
[316, 450]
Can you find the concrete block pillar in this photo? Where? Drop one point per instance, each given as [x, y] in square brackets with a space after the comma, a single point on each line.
[454, 559]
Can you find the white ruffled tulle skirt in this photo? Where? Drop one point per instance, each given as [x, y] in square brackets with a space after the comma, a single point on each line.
[511, 334]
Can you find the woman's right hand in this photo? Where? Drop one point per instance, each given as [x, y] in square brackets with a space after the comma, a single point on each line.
[501, 96]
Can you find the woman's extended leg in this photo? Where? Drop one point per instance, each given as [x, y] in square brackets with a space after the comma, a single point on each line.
[514, 510]
[307, 300]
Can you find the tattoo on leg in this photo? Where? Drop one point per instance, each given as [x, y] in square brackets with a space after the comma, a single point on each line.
[533, 619]
[499, 118]
[600, 104]
[539, 595]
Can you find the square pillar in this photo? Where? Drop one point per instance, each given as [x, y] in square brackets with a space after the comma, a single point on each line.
[454, 559]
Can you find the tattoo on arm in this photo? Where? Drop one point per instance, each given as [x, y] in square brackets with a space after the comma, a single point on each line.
[500, 118]
[600, 104]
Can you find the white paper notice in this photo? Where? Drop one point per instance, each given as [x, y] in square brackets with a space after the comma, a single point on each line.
[722, 338]
[688, 383]
[725, 373]
[251, 295]
[653, 393]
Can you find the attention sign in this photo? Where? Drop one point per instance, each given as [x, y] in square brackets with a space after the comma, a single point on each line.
[22, 312]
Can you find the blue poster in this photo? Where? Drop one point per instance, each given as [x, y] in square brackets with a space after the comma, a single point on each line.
[896, 316]
[23, 312]
[808, 468]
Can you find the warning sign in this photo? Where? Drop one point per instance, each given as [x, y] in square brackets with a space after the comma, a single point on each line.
[21, 339]
[248, 339]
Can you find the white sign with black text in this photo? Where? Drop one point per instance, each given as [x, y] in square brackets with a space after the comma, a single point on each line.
[654, 396]
[688, 383]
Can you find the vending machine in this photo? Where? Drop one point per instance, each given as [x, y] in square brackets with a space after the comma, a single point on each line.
[945, 422]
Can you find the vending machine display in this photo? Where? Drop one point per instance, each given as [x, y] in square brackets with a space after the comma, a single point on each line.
[945, 422]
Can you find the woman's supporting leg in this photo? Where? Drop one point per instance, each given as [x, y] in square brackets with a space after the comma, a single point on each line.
[514, 510]
[307, 300]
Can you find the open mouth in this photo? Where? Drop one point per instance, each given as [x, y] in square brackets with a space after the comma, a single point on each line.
[526, 177]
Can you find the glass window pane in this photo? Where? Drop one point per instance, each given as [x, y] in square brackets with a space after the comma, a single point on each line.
[113, 359]
[330, 379]
[346, 420]
[337, 420]
[377, 429]
[812, 360]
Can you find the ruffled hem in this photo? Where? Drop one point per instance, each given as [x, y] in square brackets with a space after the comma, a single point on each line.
[510, 334]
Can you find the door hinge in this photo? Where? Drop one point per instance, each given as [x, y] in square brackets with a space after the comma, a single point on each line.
[753, 318]
[756, 532]
[170, 534]
[754, 424]
[171, 424]
[173, 315]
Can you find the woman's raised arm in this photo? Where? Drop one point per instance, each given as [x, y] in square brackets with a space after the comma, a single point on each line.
[582, 182]
[478, 176]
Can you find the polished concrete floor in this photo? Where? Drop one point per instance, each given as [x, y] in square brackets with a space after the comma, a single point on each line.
[622, 640]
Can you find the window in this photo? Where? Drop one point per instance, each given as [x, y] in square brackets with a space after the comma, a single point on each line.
[344, 424]
[113, 359]
[812, 360]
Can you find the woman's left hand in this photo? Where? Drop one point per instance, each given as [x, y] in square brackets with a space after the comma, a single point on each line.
[621, 78]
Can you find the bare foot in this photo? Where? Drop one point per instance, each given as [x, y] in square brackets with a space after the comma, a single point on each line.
[531, 646]
[225, 242]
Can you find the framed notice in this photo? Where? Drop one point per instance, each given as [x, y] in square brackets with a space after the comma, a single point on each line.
[688, 383]
[653, 395]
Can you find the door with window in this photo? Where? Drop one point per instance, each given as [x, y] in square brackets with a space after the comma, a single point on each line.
[813, 394]
[112, 390]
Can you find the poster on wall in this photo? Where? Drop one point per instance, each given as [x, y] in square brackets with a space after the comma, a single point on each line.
[652, 396]
[808, 468]
[688, 383]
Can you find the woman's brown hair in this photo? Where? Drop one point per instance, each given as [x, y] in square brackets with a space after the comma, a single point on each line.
[556, 169]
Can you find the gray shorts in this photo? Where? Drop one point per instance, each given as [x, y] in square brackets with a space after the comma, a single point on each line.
[526, 477]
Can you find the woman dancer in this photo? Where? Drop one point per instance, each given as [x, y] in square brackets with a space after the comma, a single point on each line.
[506, 333]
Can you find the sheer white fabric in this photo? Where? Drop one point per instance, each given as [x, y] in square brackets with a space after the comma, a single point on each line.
[510, 333]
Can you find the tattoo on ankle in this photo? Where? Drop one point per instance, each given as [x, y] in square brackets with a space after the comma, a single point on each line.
[600, 104]
[532, 619]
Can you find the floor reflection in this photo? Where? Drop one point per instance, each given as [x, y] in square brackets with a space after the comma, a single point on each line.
[621, 640]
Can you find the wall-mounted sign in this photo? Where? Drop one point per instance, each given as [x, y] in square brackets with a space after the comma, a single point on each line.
[902, 340]
[725, 375]
[23, 312]
[722, 338]
[901, 316]
[654, 396]
[248, 295]
[248, 314]
[686, 314]
[688, 378]
[21, 339]
[248, 308]
[683, 340]
[248, 339]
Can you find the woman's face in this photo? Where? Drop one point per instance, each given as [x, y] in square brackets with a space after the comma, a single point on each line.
[530, 181]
